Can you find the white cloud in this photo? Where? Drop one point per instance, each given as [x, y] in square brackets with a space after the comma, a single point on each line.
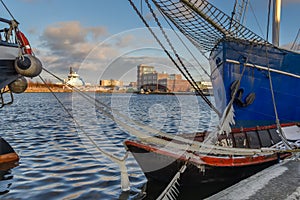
[125, 41]
[68, 43]
[64, 35]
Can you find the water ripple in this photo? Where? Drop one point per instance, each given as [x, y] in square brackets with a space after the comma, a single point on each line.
[57, 159]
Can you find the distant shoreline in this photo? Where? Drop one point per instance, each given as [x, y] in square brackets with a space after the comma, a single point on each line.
[41, 89]
[46, 90]
[55, 89]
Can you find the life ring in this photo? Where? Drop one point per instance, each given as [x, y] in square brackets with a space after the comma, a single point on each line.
[24, 42]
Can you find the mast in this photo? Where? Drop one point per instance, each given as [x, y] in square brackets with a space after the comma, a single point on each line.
[276, 22]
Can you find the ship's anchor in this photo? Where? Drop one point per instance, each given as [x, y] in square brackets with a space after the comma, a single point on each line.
[238, 99]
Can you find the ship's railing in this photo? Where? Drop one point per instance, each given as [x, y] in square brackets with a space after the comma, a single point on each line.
[203, 23]
[7, 31]
[7, 21]
[8, 100]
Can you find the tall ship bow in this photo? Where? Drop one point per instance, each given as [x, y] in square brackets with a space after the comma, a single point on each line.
[256, 90]
[241, 60]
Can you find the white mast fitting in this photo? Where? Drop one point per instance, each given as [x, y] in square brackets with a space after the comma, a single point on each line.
[276, 21]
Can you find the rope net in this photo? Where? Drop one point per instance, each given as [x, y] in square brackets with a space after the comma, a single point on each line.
[204, 24]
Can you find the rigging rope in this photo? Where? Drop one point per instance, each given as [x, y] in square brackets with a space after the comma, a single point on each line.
[8, 10]
[195, 86]
[186, 47]
[189, 149]
[125, 185]
[195, 145]
[279, 129]
[227, 118]
[174, 51]
[176, 142]
[296, 46]
[232, 14]
[256, 19]
[92, 101]
[268, 21]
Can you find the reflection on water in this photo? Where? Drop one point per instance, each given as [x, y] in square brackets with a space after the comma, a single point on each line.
[58, 162]
[6, 176]
[5, 181]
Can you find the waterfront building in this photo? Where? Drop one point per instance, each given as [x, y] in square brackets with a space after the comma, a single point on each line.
[176, 84]
[150, 80]
[142, 70]
[133, 84]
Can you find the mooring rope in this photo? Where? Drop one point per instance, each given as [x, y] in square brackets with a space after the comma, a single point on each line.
[227, 118]
[91, 100]
[179, 143]
[125, 185]
[279, 128]
[186, 147]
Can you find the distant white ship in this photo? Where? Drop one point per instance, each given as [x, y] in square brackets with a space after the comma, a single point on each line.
[74, 79]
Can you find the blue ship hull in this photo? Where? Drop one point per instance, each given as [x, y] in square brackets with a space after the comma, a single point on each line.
[227, 62]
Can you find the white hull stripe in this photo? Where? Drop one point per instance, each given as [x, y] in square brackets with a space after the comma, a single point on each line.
[264, 68]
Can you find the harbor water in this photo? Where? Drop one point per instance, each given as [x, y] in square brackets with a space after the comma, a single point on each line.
[59, 161]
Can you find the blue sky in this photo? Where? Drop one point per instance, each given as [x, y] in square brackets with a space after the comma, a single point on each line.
[93, 35]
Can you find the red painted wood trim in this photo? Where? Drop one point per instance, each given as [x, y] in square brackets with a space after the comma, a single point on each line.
[219, 161]
[259, 128]
[241, 161]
